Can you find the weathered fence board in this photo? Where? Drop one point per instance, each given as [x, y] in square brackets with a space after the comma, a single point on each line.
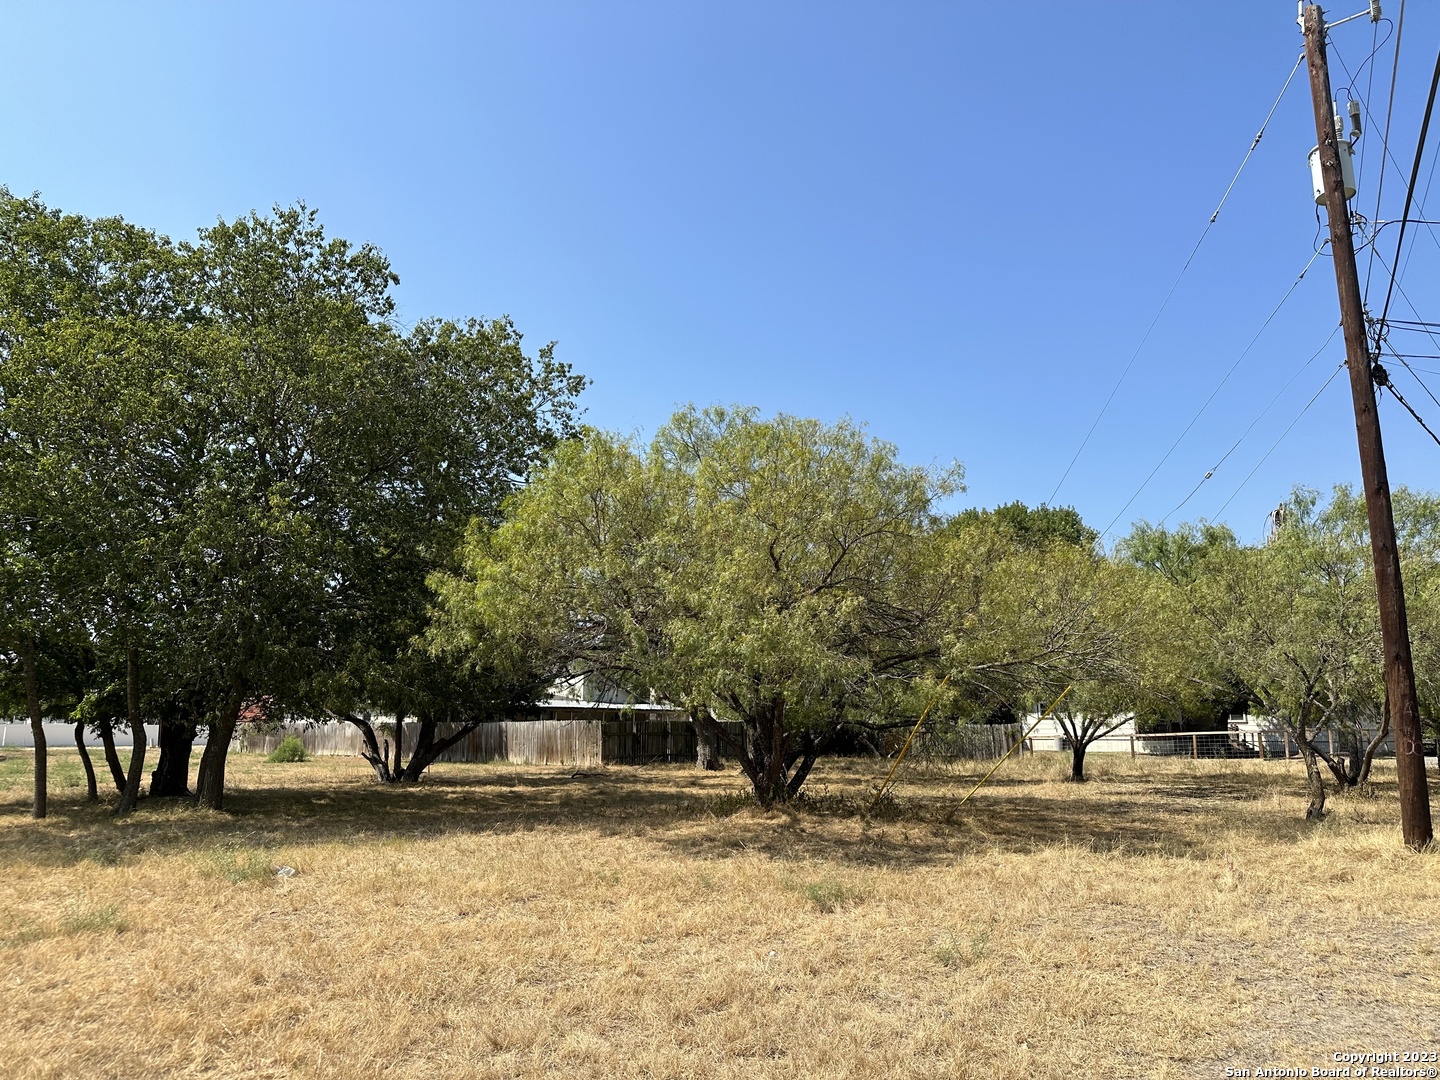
[978, 741]
[580, 743]
[321, 740]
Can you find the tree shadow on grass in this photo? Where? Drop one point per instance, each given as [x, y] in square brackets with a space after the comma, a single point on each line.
[694, 815]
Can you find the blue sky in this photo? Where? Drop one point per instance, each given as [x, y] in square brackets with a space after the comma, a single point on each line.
[953, 222]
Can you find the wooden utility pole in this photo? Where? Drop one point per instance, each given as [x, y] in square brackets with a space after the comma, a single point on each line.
[1395, 633]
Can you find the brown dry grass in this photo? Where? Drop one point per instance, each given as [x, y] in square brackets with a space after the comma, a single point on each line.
[1164, 920]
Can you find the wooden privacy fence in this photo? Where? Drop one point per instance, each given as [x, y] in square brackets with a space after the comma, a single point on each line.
[321, 740]
[577, 743]
[983, 742]
[523, 742]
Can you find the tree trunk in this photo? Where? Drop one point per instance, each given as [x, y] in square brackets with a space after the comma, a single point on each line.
[131, 795]
[770, 784]
[171, 778]
[803, 763]
[1350, 745]
[1077, 761]
[210, 780]
[371, 751]
[1314, 781]
[92, 792]
[39, 806]
[428, 750]
[707, 745]
[1334, 764]
[421, 754]
[112, 756]
[1369, 759]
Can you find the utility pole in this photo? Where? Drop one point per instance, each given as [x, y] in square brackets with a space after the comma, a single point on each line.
[1395, 633]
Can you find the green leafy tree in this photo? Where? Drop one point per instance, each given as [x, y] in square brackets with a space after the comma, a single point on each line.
[227, 475]
[90, 327]
[1032, 528]
[1042, 618]
[1295, 623]
[343, 461]
[746, 569]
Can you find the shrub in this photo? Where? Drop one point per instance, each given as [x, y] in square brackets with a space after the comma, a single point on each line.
[290, 749]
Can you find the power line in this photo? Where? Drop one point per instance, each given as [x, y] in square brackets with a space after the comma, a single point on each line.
[1390, 157]
[1385, 138]
[1382, 331]
[1420, 202]
[1281, 439]
[1410, 189]
[1382, 379]
[1246, 433]
[1375, 46]
[1219, 386]
[1406, 364]
[1176, 283]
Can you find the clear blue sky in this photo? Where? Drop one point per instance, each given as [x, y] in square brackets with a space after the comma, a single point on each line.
[950, 221]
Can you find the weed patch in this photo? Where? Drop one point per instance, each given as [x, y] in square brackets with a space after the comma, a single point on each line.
[953, 949]
[77, 918]
[825, 895]
[238, 865]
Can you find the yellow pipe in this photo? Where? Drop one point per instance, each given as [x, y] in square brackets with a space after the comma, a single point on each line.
[1020, 742]
[900, 756]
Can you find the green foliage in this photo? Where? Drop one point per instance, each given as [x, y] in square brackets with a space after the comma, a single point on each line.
[291, 749]
[1032, 528]
[1177, 555]
[756, 570]
[226, 455]
[1292, 626]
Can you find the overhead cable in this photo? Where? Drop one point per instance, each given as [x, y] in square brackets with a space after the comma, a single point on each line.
[1382, 331]
[1388, 156]
[1246, 433]
[1414, 375]
[1382, 379]
[1175, 284]
[1385, 138]
[1410, 191]
[1278, 441]
[1218, 387]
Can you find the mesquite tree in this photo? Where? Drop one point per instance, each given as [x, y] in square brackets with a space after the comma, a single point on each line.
[760, 571]
[1295, 622]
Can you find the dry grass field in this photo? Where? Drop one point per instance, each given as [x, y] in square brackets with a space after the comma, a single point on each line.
[1167, 919]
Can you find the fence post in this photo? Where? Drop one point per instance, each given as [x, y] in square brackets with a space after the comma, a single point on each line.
[1132, 746]
[1194, 746]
